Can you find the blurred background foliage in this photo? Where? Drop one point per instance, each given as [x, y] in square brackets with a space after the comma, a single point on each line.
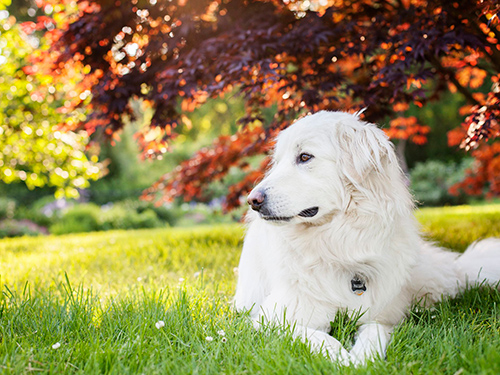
[87, 188]
[33, 150]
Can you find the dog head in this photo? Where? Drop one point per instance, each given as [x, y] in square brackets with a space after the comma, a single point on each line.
[320, 164]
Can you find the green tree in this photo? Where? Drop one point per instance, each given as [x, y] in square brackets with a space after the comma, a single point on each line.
[33, 150]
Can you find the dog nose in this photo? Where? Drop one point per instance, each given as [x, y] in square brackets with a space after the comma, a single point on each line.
[256, 199]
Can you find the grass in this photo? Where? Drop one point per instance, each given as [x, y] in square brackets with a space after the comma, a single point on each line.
[100, 295]
[457, 227]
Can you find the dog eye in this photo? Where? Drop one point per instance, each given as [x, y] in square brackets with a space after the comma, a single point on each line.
[304, 157]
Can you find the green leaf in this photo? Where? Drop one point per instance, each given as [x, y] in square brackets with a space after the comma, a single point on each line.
[32, 148]
[4, 4]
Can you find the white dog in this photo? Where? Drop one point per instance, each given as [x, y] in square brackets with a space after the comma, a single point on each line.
[332, 228]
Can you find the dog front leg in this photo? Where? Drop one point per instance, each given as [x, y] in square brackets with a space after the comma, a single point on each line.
[319, 340]
[372, 340]
[322, 342]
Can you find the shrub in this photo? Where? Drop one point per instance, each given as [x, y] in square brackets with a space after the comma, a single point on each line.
[147, 219]
[90, 217]
[431, 180]
[31, 214]
[79, 218]
[45, 211]
[7, 208]
[16, 228]
[168, 215]
[195, 214]
[118, 217]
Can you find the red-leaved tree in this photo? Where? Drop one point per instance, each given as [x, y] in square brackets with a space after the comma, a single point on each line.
[301, 56]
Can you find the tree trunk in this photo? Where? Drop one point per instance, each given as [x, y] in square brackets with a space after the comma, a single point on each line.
[400, 152]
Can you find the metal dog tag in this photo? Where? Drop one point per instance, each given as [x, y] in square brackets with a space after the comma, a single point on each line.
[358, 285]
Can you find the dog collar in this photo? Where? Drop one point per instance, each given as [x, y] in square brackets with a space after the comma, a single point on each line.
[358, 285]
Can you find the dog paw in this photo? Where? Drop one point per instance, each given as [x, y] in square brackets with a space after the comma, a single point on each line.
[330, 348]
[344, 358]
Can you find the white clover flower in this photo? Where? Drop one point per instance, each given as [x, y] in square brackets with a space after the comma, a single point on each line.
[209, 338]
[181, 279]
[221, 333]
[57, 345]
[160, 324]
[197, 274]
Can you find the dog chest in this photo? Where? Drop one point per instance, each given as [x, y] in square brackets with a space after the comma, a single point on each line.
[326, 284]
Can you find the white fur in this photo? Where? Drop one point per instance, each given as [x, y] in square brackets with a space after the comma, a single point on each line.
[299, 271]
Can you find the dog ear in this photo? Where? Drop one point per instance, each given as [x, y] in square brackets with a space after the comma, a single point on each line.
[365, 151]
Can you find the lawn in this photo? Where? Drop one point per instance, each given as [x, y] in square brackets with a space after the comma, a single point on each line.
[158, 302]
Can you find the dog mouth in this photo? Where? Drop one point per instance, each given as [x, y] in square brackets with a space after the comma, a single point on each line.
[308, 212]
[277, 218]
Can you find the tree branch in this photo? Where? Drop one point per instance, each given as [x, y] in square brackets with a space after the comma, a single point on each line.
[453, 79]
[494, 56]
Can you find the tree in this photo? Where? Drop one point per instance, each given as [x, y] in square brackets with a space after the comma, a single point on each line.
[298, 56]
[32, 149]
